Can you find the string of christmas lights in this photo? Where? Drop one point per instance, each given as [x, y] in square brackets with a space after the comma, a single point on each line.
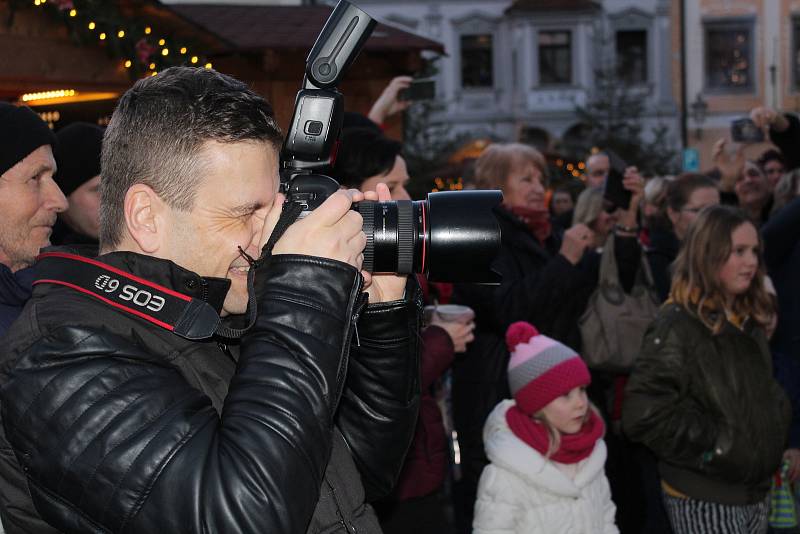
[140, 48]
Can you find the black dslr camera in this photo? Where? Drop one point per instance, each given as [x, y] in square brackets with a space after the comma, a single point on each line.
[451, 236]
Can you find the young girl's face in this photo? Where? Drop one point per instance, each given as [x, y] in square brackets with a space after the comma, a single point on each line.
[567, 412]
[738, 271]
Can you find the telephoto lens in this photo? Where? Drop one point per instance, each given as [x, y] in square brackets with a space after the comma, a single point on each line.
[452, 236]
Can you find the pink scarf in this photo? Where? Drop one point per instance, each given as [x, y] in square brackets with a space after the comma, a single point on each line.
[574, 447]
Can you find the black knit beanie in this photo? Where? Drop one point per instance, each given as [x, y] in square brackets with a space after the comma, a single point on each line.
[77, 155]
[21, 132]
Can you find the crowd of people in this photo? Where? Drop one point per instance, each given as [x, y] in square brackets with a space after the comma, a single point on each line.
[187, 357]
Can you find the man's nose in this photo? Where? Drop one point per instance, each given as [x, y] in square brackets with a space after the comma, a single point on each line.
[54, 199]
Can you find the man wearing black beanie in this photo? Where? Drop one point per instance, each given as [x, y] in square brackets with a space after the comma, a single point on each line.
[77, 154]
[29, 203]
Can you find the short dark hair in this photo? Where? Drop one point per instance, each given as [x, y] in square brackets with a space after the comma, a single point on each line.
[159, 127]
[681, 188]
[363, 153]
[771, 155]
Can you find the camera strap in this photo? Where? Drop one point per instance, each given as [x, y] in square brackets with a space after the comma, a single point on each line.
[289, 214]
[187, 317]
[181, 314]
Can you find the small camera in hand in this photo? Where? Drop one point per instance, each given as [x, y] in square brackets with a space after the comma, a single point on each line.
[746, 131]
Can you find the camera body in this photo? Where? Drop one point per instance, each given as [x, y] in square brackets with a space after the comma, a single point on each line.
[451, 236]
[745, 131]
[310, 144]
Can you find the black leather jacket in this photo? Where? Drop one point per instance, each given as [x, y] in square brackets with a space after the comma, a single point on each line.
[119, 426]
[708, 407]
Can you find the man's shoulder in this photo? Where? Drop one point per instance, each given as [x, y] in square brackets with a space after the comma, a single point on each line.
[57, 320]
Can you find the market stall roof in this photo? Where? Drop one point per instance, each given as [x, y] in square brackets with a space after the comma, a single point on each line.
[287, 27]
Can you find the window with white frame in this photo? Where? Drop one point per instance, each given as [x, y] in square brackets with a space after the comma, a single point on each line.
[476, 61]
[729, 47]
[631, 51]
[555, 57]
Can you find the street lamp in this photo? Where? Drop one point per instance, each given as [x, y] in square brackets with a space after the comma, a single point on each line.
[699, 108]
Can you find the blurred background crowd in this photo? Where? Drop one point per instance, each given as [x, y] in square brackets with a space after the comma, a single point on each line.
[609, 232]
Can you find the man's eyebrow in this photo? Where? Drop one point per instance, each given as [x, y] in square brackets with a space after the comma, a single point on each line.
[245, 209]
[44, 167]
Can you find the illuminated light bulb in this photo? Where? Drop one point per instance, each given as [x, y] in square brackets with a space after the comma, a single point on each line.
[103, 36]
[128, 64]
[183, 50]
[121, 34]
[36, 2]
[165, 52]
[208, 65]
[195, 59]
[92, 25]
[73, 13]
[152, 66]
[161, 42]
[148, 30]
[153, 74]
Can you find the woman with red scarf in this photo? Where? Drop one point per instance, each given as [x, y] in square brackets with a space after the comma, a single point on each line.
[542, 284]
[546, 447]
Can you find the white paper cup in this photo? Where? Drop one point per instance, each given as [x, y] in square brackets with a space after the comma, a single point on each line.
[450, 313]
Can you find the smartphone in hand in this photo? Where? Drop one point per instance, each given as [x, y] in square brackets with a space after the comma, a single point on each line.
[418, 90]
[614, 193]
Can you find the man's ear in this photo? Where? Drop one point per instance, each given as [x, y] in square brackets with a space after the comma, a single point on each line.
[673, 215]
[145, 218]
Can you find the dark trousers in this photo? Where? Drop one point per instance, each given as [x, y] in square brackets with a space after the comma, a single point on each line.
[420, 515]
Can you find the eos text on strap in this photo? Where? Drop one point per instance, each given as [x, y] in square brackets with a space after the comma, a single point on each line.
[181, 314]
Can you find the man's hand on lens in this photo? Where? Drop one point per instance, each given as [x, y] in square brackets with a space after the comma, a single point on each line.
[383, 287]
[331, 231]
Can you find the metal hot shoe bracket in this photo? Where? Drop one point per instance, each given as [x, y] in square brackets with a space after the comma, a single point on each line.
[181, 314]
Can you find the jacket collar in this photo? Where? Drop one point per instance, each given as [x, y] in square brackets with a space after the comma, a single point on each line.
[506, 450]
[170, 275]
[15, 288]
[512, 231]
[664, 241]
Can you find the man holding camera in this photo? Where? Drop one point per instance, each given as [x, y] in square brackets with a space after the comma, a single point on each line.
[125, 415]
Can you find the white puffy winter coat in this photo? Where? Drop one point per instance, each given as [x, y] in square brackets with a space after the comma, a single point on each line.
[522, 492]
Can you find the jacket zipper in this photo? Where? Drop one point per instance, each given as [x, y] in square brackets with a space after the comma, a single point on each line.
[226, 351]
[360, 301]
[348, 526]
[203, 290]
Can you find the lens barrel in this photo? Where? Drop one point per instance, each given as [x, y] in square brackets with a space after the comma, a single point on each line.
[451, 236]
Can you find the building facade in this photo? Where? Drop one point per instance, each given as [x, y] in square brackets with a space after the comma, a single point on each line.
[740, 54]
[517, 70]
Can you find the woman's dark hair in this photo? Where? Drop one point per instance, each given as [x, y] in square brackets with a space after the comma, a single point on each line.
[681, 188]
[363, 153]
[770, 155]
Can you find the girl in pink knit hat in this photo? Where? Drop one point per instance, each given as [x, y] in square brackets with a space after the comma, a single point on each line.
[545, 447]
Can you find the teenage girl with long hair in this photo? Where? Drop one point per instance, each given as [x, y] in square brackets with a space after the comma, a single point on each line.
[702, 395]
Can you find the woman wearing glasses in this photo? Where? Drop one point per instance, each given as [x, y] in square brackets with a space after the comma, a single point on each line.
[686, 196]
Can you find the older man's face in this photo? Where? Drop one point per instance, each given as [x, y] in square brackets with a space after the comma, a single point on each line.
[29, 202]
[597, 167]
